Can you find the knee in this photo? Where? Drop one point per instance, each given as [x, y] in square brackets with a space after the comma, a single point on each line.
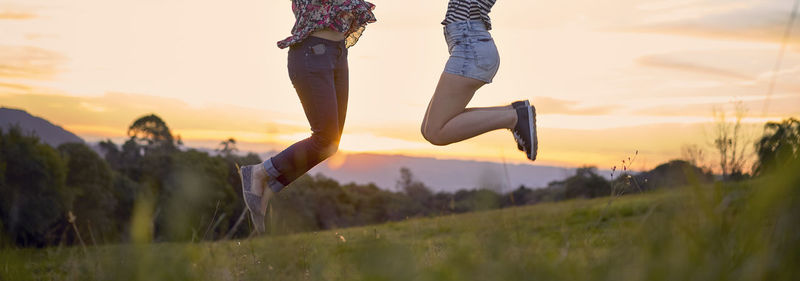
[326, 144]
[331, 149]
[433, 137]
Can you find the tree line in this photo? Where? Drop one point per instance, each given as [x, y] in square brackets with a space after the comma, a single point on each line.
[152, 186]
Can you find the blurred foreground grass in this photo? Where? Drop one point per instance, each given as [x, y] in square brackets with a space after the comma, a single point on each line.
[736, 231]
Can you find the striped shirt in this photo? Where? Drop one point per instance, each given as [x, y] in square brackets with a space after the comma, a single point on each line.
[462, 10]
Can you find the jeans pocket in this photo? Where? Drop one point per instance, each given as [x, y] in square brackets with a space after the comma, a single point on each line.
[486, 55]
[319, 58]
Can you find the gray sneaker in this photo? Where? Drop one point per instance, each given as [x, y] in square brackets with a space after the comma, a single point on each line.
[256, 196]
[515, 105]
[525, 131]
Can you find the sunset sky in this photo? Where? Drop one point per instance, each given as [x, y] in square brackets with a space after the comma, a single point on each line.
[607, 77]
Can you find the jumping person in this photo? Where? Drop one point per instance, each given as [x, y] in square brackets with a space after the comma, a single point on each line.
[473, 62]
[322, 33]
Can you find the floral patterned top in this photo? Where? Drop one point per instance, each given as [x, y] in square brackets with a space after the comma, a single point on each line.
[347, 16]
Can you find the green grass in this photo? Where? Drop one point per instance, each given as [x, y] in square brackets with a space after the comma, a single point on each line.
[746, 231]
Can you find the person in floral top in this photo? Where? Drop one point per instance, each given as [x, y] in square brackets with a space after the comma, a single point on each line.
[344, 16]
[323, 32]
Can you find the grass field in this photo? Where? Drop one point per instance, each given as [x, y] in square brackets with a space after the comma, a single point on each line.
[744, 231]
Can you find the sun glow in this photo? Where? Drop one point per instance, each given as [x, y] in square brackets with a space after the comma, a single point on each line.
[606, 79]
[363, 142]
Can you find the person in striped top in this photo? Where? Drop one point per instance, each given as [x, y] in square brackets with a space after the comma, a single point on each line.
[469, 10]
[473, 62]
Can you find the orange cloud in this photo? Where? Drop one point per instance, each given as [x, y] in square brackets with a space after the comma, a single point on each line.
[14, 87]
[28, 62]
[780, 107]
[10, 11]
[742, 20]
[15, 15]
[109, 115]
[547, 105]
[665, 62]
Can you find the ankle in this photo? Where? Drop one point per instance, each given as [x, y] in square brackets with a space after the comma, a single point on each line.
[513, 119]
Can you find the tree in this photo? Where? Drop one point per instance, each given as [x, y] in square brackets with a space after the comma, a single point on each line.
[195, 197]
[673, 174]
[413, 188]
[729, 141]
[518, 197]
[586, 183]
[147, 156]
[778, 146]
[125, 192]
[90, 180]
[111, 153]
[476, 200]
[131, 157]
[695, 155]
[227, 147]
[32, 190]
[151, 131]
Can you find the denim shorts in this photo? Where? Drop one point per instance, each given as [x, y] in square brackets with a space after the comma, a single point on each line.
[473, 53]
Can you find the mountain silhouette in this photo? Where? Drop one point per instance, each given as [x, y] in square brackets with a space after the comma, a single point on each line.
[438, 174]
[48, 133]
[380, 169]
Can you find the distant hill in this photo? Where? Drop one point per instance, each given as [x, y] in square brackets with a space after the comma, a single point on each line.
[381, 169]
[439, 175]
[48, 132]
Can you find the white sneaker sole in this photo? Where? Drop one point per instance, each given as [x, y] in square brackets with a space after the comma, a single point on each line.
[252, 201]
[532, 130]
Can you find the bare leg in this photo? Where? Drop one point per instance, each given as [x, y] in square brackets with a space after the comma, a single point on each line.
[447, 119]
